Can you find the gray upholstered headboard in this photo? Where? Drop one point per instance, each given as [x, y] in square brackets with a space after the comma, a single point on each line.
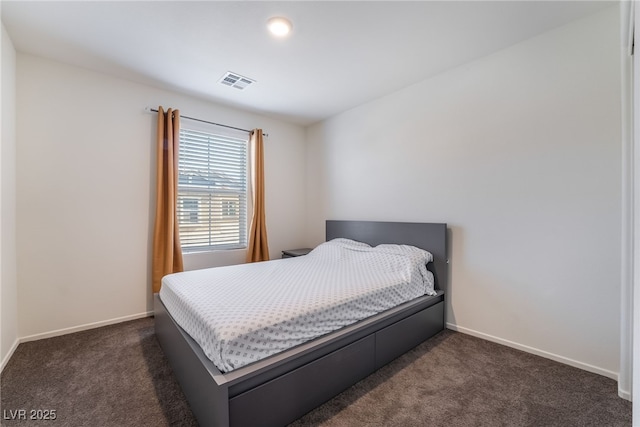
[431, 237]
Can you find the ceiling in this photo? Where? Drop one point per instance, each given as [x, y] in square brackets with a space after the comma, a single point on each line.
[339, 55]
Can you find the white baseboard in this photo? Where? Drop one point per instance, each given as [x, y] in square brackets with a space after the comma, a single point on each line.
[626, 395]
[537, 352]
[84, 327]
[12, 350]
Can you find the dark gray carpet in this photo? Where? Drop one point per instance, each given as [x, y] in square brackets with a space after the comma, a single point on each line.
[118, 376]
[111, 376]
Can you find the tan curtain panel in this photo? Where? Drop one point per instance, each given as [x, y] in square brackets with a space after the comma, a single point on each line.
[258, 246]
[167, 253]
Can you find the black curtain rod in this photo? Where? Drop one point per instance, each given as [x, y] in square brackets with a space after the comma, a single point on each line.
[212, 123]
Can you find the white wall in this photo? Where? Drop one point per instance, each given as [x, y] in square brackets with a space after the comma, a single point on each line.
[627, 187]
[8, 270]
[85, 173]
[635, 12]
[519, 152]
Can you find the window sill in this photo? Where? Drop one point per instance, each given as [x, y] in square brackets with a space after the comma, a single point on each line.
[213, 258]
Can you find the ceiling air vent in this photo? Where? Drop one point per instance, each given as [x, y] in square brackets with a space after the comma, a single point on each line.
[236, 80]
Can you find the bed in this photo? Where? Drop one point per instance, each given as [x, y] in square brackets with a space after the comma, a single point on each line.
[281, 388]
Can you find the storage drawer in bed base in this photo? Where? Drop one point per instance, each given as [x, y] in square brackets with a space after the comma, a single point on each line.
[395, 340]
[286, 398]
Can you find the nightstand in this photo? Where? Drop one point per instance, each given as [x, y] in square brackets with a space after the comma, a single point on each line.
[291, 253]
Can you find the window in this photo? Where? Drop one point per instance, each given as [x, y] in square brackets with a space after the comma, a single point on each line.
[212, 191]
[190, 210]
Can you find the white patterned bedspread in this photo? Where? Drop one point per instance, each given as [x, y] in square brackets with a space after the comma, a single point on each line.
[243, 313]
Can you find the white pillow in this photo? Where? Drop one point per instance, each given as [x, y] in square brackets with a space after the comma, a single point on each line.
[407, 250]
[341, 241]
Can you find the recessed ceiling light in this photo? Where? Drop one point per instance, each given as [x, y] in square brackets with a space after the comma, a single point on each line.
[279, 26]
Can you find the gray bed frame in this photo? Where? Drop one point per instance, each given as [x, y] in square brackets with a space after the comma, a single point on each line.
[277, 390]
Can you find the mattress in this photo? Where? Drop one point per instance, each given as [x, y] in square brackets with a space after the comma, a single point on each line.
[244, 313]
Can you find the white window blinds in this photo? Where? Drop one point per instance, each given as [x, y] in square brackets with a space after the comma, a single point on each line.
[212, 191]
